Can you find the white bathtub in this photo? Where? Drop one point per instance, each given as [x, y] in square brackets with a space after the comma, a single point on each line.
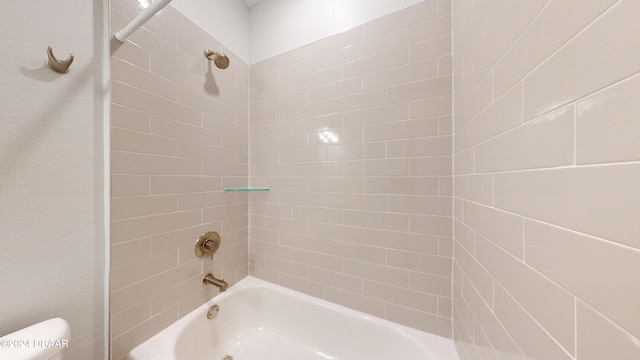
[258, 320]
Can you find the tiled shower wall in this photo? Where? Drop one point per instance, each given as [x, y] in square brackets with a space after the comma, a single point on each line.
[179, 136]
[353, 136]
[546, 179]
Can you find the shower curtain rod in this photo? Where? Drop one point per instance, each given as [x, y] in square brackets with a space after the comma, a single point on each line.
[142, 18]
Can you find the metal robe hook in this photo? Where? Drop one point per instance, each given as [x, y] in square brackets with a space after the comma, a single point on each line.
[56, 65]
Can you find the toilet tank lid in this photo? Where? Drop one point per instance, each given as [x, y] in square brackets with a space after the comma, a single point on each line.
[40, 341]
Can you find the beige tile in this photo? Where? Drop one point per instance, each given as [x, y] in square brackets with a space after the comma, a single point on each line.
[336, 232]
[599, 338]
[588, 272]
[142, 79]
[424, 263]
[183, 184]
[336, 89]
[354, 301]
[127, 95]
[132, 163]
[301, 285]
[430, 146]
[477, 284]
[414, 185]
[430, 28]
[541, 143]
[189, 150]
[353, 251]
[316, 79]
[464, 162]
[503, 114]
[401, 296]
[554, 26]
[135, 206]
[336, 280]
[433, 106]
[128, 118]
[501, 341]
[401, 74]
[424, 205]
[357, 202]
[605, 127]
[335, 43]
[402, 130]
[138, 142]
[478, 188]
[378, 273]
[439, 86]
[128, 274]
[502, 24]
[129, 318]
[130, 251]
[302, 111]
[318, 260]
[376, 220]
[378, 62]
[550, 305]
[124, 343]
[135, 228]
[420, 320]
[437, 285]
[302, 68]
[551, 86]
[430, 48]
[418, 243]
[314, 214]
[287, 101]
[532, 339]
[601, 201]
[376, 167]
[503, 229]
[177, 129]
[376, 115]
[129, 185]
[359, 101]
[431, 166]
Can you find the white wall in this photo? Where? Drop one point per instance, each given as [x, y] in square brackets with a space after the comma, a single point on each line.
[278, 26]
[225, 20]
[52, 242]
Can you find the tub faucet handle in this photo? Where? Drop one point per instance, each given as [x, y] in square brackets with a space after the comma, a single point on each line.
[207, 244]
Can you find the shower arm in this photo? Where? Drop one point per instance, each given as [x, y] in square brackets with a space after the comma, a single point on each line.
[142, 18]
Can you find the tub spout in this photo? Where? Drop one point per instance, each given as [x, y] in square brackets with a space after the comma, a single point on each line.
[209, 279]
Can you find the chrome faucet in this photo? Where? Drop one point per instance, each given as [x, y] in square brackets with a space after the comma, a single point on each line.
[209, 279]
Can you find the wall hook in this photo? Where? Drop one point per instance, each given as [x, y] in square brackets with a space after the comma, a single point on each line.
[58, 66]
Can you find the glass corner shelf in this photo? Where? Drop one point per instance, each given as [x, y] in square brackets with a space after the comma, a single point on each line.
[246, 189]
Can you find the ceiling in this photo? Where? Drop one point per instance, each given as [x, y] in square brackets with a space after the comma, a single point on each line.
[251, 3]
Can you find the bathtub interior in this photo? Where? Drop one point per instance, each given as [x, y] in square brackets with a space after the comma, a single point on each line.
[259, 320]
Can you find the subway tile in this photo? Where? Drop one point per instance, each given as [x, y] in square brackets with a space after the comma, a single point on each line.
[335, 43]
[132, 163]
[604, 126]
[138, 142]
[532, 339]
[433, 106]
[431, 48]
[600, 200]
[128, 229]
[348, 250]
[420, 320]
[405, 241]
[358, 101]
[335, 89]
[336, 280]
[355, 301]
[431, 225]
[542, 143]
[550, 85]
[363, 49]
[401, 296]
[551, 306]
[430, 28]
[416, 185]
[357, 202]
[437, 285]
[377, 273]
[477, 285]
[401, 74]
[318, 260]
[401, 130]
[424, 263]
[556, 24]
[400, 19]
[128, 118]
[599, 338]
[478, 188]
[121, 345]
[424, 205]
[130, 251]
[142, 79]
[590, 272]
[504, 229]
[377, 115]
[503, 114]
[130, 273]
[135, 206]
[129, 185]
[429, 146]
[438, 86]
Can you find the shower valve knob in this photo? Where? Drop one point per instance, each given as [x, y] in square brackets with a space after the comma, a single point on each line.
[208, 244]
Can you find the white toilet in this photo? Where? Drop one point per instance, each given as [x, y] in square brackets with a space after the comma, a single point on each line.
[46, 340]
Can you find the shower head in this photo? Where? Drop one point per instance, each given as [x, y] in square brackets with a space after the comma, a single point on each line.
[221, 60]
